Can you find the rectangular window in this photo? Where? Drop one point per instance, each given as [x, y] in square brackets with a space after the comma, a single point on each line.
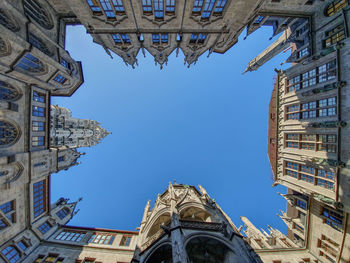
[9, 211]
[39, 198]
[312, 109]
[38, 141]
[118, 6]
[334, 35]
[147, 6]
[11, 254]
[39, 164]
[38, 126]
[303, 52]
[64, 63]
[155, 38]
[198, 38]
[38, 111]
[158, 9]
[125, 241]
[312, 77]
[170, 7]
[299, 228]
[60, 79]
[316, 176]
[60, 159]
[72, 236]
[39, 97]
[23, 245]
[220, 7]
[300, 203]
[121, 39]
[102, 238]
[44, 227]
[333, 218]
[208, 7]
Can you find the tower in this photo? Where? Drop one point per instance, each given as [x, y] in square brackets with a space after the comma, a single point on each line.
[186, 225]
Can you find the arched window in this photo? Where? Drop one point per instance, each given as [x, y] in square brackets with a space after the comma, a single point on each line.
[8, 92]
[30, 63]
[7, 21]
[35, 11]
[335, 7]
[5, 48]
[11, 254]
[39, 44]
[8, 133]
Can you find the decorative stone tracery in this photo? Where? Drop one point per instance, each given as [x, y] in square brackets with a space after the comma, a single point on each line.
[34, 10]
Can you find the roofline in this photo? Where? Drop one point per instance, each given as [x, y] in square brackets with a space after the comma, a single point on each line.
[102, 229]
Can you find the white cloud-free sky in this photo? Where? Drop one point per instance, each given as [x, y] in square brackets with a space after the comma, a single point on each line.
[203, 125]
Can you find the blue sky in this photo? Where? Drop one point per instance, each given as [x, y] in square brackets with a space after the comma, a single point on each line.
[203, 125]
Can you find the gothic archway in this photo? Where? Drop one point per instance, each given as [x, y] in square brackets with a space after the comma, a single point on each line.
[162, 254]
[31, 64]
[9, 134]
[203, 249]
[8, 92]
[34, 10]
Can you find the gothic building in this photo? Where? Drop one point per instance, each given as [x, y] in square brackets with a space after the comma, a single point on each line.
[73, 132]
[308, 144]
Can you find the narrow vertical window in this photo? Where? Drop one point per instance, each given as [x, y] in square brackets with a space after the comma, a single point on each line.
[30, 63]
[39, 198]
[147, 7]
[197, 7]
[9, 210]
[125, 241]
[155, 38]
[107, 8]
[11, 254]
[118, 6]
